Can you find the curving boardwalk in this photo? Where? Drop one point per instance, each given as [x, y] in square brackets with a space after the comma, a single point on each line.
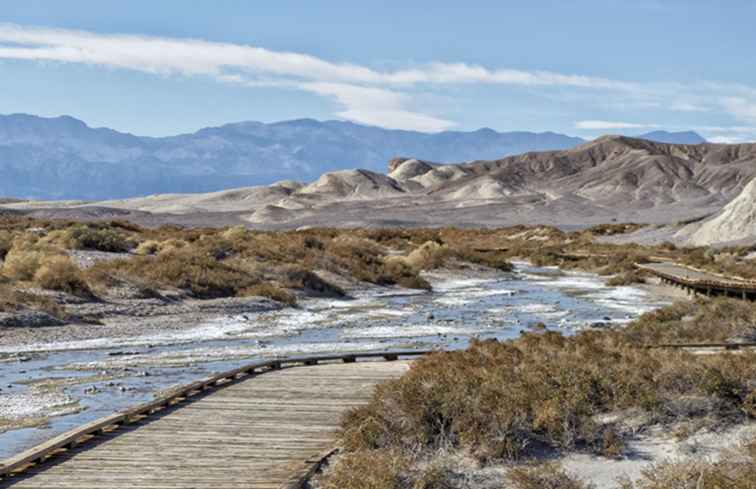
[700, 281]
[255, 433]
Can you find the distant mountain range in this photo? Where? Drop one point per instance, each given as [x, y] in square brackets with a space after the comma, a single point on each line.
[63, 158]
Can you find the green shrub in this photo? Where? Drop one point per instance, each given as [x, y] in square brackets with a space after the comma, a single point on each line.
[84, 237]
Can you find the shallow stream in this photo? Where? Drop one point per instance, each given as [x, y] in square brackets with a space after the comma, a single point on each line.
[69, 383]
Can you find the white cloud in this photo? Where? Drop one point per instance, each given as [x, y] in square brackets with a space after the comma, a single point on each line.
[611, 125]
[363, 91]
[728, 134]
[379, 97]
[376, 106]
[742, 108]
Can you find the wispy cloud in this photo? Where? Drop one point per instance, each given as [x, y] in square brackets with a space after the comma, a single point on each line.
[377, 106]
[367, 95]
[364, 94]
[596, 125]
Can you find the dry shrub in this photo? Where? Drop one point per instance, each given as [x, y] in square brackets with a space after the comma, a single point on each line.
[60, 273]
[86, 237]
[541, 391]
[298, 278]
[172, 245]
[22, 264]
[715, 320]
[271, 291]
[13, 300]
[364, 260]
[6, 242]
[149, 247]
[493, 259]
[428, 256]
[236, 233]
[613, 229]
[734, 470]
[186, 269]
[400, 273]
[543, 476]
[377, 469]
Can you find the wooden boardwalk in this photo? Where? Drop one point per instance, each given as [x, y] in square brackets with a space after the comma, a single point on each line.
[253, 433]
[702, 282]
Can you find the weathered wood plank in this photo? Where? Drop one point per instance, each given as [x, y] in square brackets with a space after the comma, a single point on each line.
[255, 433]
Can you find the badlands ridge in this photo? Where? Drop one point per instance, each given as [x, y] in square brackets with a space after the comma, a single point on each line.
[610, 179]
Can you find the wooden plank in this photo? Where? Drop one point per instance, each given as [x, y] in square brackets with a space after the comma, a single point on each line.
[259, 432]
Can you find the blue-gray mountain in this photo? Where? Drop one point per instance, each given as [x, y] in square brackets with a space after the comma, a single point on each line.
[63, 158]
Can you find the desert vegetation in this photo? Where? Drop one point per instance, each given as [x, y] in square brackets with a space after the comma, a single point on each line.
[212, 263]
[544, 394]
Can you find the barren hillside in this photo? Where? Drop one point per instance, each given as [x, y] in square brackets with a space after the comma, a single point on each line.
[610, 178]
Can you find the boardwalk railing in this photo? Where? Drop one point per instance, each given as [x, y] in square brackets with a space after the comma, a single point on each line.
[88, 433]
[702, 346]
[721, 285]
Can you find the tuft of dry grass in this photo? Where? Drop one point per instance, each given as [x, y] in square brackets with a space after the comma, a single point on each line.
[149, 247]
[271, 291]
[735, 470]
[13, 300]
[22, 264]
[428, 256]
[60, 273]
[543, 476]
[367, 470]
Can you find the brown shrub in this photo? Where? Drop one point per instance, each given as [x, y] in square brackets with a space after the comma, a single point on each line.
[22, 264]
[186, 269]
[12, 300]
[543, 476]
[715, 320]
[298, 278]
[91, 237]
[378, 469]
[271, 291]
[735, 470]
[428, 256]
[60, 273]
[493, 259]
[501, 400]
[6, 242]
[149, 247]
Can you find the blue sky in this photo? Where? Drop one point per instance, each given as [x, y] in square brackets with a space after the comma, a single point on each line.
[579, 67]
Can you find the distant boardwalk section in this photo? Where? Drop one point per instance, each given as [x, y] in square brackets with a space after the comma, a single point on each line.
[701, 281]
[254, 433]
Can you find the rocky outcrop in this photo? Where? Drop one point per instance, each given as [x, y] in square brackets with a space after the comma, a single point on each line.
[736, 221]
